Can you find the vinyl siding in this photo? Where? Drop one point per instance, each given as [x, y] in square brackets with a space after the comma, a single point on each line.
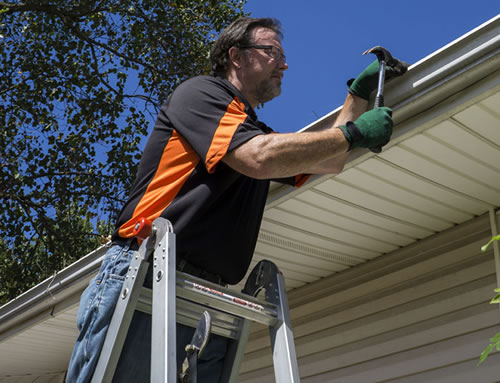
[421, 314]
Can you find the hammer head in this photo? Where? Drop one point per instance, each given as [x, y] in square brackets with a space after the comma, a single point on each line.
[383, 54]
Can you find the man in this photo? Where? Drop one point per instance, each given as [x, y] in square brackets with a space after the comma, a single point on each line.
[207, 168]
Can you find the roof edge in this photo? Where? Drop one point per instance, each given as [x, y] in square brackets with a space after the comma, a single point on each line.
[47, 294]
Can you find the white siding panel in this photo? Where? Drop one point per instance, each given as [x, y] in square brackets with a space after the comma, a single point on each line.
[370, 199]
[45, 358]
[414, 322]
[431, 357]
[466, 141]
[400, 194]
[465, 208]
[325, 215]
[427, 168]
[330, 230]
[491, 104]
[312, 264]
[404, 316]
[385, 306]
[481, 120]
[48, 378]
[313, 239]
[449, 158]
[366, 216]
[464, 372]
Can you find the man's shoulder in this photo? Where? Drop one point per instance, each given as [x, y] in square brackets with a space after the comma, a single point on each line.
[204, 81]
[207, 88]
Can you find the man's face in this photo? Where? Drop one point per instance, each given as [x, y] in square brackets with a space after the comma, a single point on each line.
[263, 67]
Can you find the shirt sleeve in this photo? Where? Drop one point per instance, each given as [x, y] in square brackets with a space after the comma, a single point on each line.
[296, 181]
[211, 118]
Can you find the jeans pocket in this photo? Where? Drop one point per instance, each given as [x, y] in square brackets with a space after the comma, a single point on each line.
[100, 314]
[112, 286]
[115, 261]
[120, 265]
[86, 301]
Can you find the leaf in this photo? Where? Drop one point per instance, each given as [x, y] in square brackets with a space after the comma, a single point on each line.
[485, 247]
[485, 353]
[496, 338]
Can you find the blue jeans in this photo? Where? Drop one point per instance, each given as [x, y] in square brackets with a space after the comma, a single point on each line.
[97, 304]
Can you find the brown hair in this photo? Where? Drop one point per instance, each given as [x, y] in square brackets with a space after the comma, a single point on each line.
[237, 34]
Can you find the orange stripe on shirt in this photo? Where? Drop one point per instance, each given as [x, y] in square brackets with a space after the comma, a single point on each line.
[234, 116]
[176, 165]
[301, 179]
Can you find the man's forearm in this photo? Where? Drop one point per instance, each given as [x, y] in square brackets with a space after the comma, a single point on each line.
[353, 108]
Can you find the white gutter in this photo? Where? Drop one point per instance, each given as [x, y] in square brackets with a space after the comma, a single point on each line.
[469, 63]
[50, 296]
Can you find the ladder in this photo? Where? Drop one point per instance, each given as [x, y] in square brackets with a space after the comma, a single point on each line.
[224, 311]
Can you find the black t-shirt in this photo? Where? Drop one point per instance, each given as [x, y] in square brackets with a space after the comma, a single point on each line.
[215, 211]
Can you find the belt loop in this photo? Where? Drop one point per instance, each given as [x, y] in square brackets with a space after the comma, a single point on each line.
[126, 246]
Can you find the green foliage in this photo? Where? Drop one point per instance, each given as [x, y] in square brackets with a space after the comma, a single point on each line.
[494, 238]
[495, 341]
[80, 83]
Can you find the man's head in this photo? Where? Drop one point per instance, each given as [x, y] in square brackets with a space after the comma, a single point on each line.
[249, 53]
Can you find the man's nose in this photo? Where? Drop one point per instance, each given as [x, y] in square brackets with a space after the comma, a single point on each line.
[283, 65]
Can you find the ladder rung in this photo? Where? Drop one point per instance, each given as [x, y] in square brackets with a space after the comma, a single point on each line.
[189, 313]
[224, 299]
[207, 294]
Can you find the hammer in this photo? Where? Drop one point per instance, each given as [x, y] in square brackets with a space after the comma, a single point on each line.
[384, 58]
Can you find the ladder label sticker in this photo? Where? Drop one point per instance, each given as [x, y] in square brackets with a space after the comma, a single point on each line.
[242, 302]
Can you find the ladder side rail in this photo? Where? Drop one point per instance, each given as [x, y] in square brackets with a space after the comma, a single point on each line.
[282, 342]
[122, 316]
[163, 325]
[235, 354]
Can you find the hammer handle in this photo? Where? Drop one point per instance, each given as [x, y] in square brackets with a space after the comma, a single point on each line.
[379, 98]
[379, 101]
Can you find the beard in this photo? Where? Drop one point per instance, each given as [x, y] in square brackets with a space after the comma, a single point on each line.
[266, 90]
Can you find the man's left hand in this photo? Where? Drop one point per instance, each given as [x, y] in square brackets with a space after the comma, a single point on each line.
[363, 85]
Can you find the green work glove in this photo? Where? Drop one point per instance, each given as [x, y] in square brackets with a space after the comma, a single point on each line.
[367, 81]
[372, 129]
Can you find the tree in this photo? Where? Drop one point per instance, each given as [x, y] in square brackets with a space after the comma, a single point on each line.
[80, 83]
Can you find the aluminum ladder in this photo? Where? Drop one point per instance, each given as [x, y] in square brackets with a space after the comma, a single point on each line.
[231, 312]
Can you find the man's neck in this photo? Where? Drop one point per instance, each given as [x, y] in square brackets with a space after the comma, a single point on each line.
[237, 83]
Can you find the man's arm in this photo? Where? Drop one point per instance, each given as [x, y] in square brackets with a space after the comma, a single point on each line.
[284, 155]
[353, 108]
[279, 155]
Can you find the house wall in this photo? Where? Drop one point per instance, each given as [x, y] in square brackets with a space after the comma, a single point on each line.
[419, 314]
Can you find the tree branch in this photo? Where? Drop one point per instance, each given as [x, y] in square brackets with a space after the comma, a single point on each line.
[47, 8]
[92, 41]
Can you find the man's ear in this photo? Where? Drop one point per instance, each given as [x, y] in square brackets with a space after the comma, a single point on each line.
[234, 54]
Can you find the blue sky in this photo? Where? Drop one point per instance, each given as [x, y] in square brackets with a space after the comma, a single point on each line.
[324, 40]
